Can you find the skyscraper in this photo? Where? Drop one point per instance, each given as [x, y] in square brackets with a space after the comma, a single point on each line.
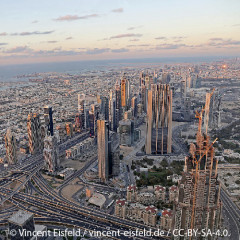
[92, 119]
[103, 151]
[159, 120]
[125, 92]
[81, 102]
[112, 112]
[51, 153]
[35, 133]
[82, 110]
[48, 119]
[10, 144]
[199, 205]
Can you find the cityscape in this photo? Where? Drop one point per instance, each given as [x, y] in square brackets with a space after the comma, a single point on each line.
[113, 142]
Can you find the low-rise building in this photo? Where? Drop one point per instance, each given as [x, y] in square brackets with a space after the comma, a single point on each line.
[166, 219]
[173, 193]
[160, 193]
[131, 193]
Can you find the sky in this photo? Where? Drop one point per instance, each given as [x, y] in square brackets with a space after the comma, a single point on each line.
[34, 31]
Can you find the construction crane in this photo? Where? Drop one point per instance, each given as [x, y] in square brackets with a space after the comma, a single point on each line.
[196, 161]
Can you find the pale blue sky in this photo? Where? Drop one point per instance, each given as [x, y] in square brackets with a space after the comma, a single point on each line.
[64, 30]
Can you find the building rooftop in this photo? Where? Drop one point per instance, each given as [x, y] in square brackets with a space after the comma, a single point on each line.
[121, 202]
[20, 217]
[167, 213]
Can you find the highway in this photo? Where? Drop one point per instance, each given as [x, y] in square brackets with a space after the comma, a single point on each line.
[233, 214]
[52, 206]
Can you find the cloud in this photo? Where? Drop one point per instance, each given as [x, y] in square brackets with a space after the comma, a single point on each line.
[19, 49]
[118, 10]
[132, 28]
[161, 38]
[52, 41]
[97, 50]
[3, 34]
[2, 44]
[170, 46]
[75, 17]
[178, 37]
[220, 42]
[68, 38]
[31, 33]
[134, 40]
[35, 21]
[126, 35]
[215, 39]
[120, 50]
[236, 25]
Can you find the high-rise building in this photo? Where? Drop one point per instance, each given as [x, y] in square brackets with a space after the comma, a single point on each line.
[92, 119]
[199, 205]
[126, 132]
[10, 144]
[69, 129]
[159, 120]
[112, 112]
[36, 133]
[19, 222]
[78, 122]
[103, 150]
[104, 107]
[118, 113]
[212, 110]
[81, 102]
[82, 110]
[125, 93]
[134, 106]
[51, 153]
[48, 119]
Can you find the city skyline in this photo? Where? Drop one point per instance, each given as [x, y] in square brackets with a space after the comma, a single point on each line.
[53, 31]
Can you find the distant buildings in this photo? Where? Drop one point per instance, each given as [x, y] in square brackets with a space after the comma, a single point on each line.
[159, 120]
[10, 144]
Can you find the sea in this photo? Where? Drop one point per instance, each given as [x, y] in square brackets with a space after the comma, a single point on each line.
[8, 73]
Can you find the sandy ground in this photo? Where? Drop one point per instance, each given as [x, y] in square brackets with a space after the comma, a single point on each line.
[71, 189]
[68, 163]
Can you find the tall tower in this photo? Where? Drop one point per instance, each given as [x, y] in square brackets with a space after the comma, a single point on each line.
[125, 93]
[10, 144]
[159, 120]
[51, 153]
[199, 205]
[81, 110]
[112, 112]
[103, 151]
[48, 119]
[35, 135]
[118, 115]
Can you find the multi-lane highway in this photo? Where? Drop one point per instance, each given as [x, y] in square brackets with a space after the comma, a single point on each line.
[52, 207]
[233, 215]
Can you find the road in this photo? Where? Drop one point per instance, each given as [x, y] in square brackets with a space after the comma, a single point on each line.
[233, 215]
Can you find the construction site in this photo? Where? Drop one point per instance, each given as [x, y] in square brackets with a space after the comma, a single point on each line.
[199, 205]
